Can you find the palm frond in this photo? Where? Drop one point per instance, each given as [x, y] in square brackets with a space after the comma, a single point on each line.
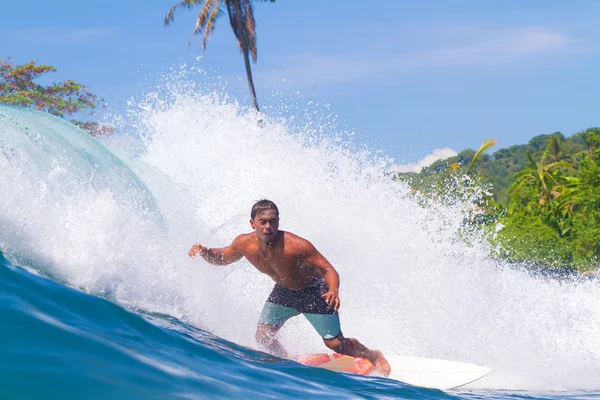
[484, 146]
[234, 18]
[250, 29]
[572, 181]
[558, 164]
[554, 147]
[203, 20]
[170, 16]
[546, 177]
[532, 164]
[210, 24]
[517, 184]
[241, 17]
[514, 191]
[525, 172]
[546, 152]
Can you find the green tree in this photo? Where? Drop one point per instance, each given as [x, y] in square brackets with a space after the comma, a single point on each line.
[586, 224]
[537, 180]
[555, 149]
[17, 87]
[465, 156]
[592, 139]
[539, 143]
[241, 18]
[551, 186]
[522, 237]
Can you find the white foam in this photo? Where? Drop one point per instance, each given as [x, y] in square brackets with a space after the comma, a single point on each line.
[408, 282]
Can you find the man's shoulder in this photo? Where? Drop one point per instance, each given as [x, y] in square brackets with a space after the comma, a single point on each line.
[297, 242]
[243, 239]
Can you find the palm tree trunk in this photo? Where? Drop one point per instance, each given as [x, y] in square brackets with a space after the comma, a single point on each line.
[249, 77]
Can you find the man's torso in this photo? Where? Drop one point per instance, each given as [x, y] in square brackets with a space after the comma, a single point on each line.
[282, 262]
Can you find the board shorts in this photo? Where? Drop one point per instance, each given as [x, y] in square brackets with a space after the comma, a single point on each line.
[284, 304]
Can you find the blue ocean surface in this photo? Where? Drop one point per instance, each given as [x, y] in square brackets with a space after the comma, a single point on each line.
[99, 300]
[57, 342]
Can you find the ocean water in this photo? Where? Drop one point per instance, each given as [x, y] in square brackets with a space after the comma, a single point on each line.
[98, 298]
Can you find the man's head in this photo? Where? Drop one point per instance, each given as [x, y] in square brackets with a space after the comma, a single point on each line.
[264, 219]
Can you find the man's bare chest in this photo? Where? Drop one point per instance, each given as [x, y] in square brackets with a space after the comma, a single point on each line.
[272, 261]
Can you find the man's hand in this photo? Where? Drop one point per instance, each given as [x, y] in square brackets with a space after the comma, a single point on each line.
[332, 299]
[196, 250]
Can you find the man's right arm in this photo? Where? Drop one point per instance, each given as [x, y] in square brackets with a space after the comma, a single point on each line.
[221, 256]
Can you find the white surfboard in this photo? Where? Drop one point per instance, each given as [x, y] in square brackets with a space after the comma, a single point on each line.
[434, 373]
[416, 371]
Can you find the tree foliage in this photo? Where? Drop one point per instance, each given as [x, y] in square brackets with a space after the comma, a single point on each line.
[18, 87]
[544, 205]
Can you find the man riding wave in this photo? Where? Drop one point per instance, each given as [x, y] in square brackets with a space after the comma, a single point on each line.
[305, 283]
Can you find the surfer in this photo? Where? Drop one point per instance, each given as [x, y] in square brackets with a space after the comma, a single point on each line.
[305, 283]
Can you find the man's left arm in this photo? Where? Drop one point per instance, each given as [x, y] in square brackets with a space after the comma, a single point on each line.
[312, 256]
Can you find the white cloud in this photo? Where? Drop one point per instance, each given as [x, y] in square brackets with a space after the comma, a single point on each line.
[65, 35]
[437, 154]
[494, 47]
[459, 48]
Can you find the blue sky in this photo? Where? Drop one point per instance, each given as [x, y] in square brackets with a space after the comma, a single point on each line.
[409, 77]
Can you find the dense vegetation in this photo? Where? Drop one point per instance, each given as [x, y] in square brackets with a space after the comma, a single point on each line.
[543, 198]
[18, 87]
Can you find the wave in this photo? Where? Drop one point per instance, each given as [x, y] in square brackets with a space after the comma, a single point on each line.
[62, 343]
[115, 219]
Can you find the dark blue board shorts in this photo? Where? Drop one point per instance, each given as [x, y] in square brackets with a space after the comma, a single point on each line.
[284, 304]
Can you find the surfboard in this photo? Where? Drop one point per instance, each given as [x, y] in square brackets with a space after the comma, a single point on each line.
[416, 371]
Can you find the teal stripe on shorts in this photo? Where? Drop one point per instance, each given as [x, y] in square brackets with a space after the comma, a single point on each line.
[327, 325]
[275, 314]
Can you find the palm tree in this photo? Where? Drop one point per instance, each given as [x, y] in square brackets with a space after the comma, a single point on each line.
[554, 149]
[592, 138]
[538, 176]
[565, 199]
[241, 18]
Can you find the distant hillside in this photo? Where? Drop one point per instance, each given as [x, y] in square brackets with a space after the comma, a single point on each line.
[552, 218]
[499, 167]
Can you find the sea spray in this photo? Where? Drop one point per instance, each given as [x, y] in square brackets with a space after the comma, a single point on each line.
[409, 283]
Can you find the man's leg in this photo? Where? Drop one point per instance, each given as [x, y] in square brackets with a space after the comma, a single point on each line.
[354, 348]
[265, 337]
[328, 326]
[272, 318]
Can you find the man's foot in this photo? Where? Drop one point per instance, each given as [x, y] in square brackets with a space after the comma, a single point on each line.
[381, 365]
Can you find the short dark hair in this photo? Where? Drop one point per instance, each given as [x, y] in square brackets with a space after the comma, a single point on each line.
[261, 206]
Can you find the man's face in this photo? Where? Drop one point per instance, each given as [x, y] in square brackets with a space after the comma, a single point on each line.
[266, 225]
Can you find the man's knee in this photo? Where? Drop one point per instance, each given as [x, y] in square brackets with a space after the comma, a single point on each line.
[336, 344]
